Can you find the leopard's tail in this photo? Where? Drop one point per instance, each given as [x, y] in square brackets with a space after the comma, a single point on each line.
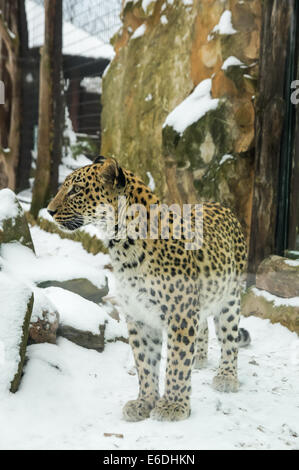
[244, 338]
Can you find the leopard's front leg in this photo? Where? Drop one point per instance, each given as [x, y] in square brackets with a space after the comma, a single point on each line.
[146, 343]
[181, 343]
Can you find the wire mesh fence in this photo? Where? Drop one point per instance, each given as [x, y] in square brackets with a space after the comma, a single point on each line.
[88, 26]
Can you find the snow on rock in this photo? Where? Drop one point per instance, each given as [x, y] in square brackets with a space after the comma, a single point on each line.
[225, 24]
[231, 61]
[193, 108]
[9, 207]
[84, 315]
[23, 264]
[139, 32]
[151, 182]
[44, 319]
[13, 224]
[49, 245]
[76, 311]
[292, 262]
[277, 301]
[225, 158]
[15, 312]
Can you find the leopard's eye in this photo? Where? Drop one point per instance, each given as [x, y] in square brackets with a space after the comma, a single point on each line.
[75, 189]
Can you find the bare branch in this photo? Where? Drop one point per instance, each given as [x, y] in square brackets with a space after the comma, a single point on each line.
[10, 39]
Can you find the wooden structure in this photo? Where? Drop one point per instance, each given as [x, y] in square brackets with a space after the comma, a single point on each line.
[275, 219]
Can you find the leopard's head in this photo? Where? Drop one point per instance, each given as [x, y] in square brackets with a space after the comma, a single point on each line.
[88, 195]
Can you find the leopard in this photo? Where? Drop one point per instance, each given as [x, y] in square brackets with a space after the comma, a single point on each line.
[166, 290]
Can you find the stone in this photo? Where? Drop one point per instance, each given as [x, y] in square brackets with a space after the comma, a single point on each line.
[279, 276]
[44, 320]
[81, 287]
[16, 300]
[267, 306]
[86, 339]
[13, 224]
[154, 73]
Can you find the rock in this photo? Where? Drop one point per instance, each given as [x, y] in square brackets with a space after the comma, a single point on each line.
[277, 309]
[86, 339]
[16, 301]
[153, 73]
[81, 287]
[44, 320]
[13, 224]
[279, 276]
[84, 322]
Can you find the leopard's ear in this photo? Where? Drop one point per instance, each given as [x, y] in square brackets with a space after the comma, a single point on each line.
[99, 159]
[113, 173]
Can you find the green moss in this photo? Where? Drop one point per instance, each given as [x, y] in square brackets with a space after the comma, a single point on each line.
[23, 343]
[90, 243]
[188, 146]
[16, 229]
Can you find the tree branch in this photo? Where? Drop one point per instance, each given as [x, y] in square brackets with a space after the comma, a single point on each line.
[9, 38]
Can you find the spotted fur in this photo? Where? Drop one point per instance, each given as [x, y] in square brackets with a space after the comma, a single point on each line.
[163, 286]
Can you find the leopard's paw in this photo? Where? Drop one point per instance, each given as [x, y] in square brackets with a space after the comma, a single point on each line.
[226, 383]
[137, 410]
[170, 411]
[200, 362]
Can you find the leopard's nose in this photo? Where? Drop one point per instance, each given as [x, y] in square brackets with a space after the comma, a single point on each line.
[51, 212]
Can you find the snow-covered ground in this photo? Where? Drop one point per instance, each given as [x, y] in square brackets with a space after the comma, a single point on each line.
[71, 396]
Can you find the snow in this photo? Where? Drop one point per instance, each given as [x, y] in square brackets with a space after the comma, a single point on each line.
[76, 311]
[71, 396]
[20, 262]
[69, 164]
[92, 84]
[42, 304]
[146, 4]
[225, 24]
[14, 299]
[8, 207]
[278, 301]
[151, 182]
[139, 32]
[292, 262]
[293, 252]
[82, 314]
[225, 158]
[76, 41]
[193, 108]
[78, 395]
[231, 62]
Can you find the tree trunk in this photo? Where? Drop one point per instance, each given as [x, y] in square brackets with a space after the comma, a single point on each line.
[26, 131]
[50, 109]
[10, 125]
[270, 114]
